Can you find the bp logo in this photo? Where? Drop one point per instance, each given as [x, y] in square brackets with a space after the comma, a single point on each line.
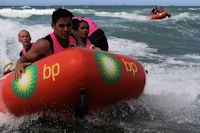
[109, 66]
[25, 86]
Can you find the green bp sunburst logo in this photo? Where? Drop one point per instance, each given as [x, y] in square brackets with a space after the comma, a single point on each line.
[110, 67]
[25, 86]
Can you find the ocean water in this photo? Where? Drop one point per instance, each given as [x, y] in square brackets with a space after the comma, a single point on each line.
[169, 49]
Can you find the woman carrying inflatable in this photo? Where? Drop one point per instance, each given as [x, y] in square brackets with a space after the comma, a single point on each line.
[96, 34]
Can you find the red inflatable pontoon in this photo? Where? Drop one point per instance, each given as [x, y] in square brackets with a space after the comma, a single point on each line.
[54, 83]
[160, 15]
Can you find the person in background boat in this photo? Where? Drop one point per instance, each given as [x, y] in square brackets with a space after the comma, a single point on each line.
[96, 34]
[25, 39]
[161, 10]
[154, 10]
[81, 29]
[55, 42]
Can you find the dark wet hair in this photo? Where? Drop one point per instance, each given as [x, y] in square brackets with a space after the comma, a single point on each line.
[61, 13]
[76, 23]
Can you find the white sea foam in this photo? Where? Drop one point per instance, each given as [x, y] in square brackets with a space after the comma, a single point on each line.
[174, 87]
[10, 123]
[25, 7]
[192, 56]
[27, 11]
[24, 13]
[184, 16]
[194, 9]
[174, 83]
[128, 47]
[125, 15]
[174, 62]
[184, 60]
[82, 11]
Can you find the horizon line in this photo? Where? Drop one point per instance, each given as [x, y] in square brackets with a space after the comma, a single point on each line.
[103, 5]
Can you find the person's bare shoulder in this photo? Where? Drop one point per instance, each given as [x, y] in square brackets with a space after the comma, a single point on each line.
[42, 47]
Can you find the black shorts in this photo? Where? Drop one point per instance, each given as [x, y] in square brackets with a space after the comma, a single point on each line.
[98, 38]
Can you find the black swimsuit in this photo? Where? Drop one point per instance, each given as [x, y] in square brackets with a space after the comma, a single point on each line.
[21, 53]
[49, 39]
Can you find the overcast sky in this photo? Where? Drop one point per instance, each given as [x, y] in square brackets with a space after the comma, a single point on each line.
[100, 2]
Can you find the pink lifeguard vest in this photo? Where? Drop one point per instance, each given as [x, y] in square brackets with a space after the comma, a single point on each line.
[92, 26]
[56, 45]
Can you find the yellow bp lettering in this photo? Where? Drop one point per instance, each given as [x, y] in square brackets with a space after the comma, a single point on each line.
[130, 66]
[46, 72]
[51, 71]
[55, 70]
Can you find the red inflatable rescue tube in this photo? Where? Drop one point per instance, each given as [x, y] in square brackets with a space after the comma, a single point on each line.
[54, 83]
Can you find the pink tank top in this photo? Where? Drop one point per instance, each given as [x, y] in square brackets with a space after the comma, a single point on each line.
[88, 43]
[23, 51]
[56, 45]
[92, 25]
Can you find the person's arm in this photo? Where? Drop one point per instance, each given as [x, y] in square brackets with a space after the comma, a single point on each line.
[38, 50]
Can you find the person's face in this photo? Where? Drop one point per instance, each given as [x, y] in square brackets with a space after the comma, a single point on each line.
[83, 30]
[25, 39]
[62, 28]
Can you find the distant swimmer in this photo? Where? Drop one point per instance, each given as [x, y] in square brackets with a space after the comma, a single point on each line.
[96, 34]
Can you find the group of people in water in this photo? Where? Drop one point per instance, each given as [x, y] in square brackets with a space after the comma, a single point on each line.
[155, 10]
[68, 31]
